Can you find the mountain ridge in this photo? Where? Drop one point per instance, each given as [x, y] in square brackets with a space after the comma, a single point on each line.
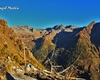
[67, 44]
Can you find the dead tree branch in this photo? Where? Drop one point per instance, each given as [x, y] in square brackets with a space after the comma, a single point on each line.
[69, 66]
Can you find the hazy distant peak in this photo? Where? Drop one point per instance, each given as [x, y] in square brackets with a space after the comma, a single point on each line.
[56, 27]
[71, 26]
[23, 28]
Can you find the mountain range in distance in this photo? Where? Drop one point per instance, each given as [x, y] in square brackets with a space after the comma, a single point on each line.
[71, 47]
[66, 44]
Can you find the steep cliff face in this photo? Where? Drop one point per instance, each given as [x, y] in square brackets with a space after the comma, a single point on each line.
[12, 52]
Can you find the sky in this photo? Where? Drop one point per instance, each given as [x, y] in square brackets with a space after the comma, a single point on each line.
[48, 13]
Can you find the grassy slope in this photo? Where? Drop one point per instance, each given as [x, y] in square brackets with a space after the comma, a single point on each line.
[11, 46]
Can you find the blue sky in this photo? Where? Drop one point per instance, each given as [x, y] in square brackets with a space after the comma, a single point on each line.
[47, 13]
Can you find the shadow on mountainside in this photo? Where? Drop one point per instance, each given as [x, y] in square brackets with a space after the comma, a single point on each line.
[95, 34]
[66, 39]
[38, 43]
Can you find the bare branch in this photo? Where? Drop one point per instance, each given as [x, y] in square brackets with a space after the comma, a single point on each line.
[69, 66]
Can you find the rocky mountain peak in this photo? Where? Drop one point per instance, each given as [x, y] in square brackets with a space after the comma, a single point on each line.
[89, 27]
[71, 27]
[56, 27]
